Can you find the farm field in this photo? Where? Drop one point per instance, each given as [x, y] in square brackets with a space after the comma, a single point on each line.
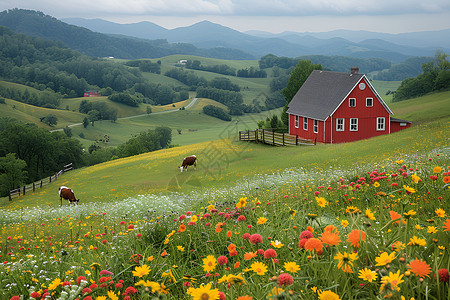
[356, 223]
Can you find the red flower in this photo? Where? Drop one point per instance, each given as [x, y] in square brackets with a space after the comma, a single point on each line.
[302, 242]
[285, 279]
[105, 272]
[222, 296]
[104, 279]
[138, 235]
[86, 291]
[241, 218]
[306, 234]
[269, 253]
[256, 238]
[87, 298]
[233, 253]
[246, 236]
[81, 278]
[118, 286]
[130, 290]
[93, 286]
[222, 260]
[66, 283]
[443, 275]
[35, 295]
[104, 241]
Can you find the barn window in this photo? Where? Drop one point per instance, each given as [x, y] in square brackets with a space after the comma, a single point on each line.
[305, 123]
[380, 124]
[340, 125]
[369, 102]
[316, 126]
[353, 124]
[402, 124]
[352, 102]
[296, 122]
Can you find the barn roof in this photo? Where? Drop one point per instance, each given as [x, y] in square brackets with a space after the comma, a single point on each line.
[323, 92]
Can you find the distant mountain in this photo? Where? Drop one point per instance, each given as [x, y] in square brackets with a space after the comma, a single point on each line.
[359, 44]
[38, 24]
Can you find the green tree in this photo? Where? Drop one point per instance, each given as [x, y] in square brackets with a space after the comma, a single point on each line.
[68, 131]
[85, 122]
[50, 119]
[93, 116]
[12, 173]
[298, 76]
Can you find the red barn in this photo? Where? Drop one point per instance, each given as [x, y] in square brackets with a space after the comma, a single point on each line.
[91, 94]
[336, 107]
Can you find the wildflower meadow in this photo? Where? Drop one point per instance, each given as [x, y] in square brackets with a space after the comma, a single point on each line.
[369, 233]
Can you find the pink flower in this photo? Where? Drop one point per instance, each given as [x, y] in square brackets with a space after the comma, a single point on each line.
[241, 218]
[306, 234]
[256, 238]
[222, 260]
[302, 242]
[270, 253]
[105, 272]
[131, 226]
[246, 236]
[285, 279]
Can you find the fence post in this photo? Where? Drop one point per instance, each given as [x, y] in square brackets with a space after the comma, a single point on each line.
[50, 179]
[273, 138]
[240, 136]
[10, 199]
[33, 187]
[315, 140]
[264, 137]
[296, 140]
[24, 189]
[41, 183]
[283, 138]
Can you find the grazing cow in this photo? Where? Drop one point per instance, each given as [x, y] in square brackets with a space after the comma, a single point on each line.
[189, 161]
[67, 194]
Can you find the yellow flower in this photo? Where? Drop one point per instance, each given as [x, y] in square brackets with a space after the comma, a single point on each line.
[376, 184]
[367, 274]
[440, 212]
[276, 244]
[101, 298]
[352, 210]
[292, 212]
[346, 261]
[141, 271]
[328, 295]
[437, 170]
[409, 189]
[262, 220]
[432, 229]
[242, 202]
[156, 288]
[415, 178]
[415, 241]
[384, 259]
[321, 201]
[194, 218]
[409, 214]
[399, 161]
[87, 272]
[418, 227]
[210, 207]
[344, 223]
[204, 292]
[112, 295]
[259, 268]
[291, 267]
[209, 263]
[55, 283]
[390, 283]
[275, 293]
[180, 248]
[370, 214]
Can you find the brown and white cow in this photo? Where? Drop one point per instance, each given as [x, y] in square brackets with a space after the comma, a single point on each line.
[67, 194]
[189, 161]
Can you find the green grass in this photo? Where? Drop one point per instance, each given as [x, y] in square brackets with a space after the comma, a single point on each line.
[383, 87]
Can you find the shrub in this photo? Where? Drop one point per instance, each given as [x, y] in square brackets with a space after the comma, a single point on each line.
[216, 112]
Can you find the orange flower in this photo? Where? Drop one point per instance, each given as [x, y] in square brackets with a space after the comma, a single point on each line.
[395, 215]
[236, 265]
[182, 228]
[446, 179]
[246, 297]
[447, 225]
[314, 244]
[310, 229]
[420, 268]
[231, 247]
[330, 238]
[229, 234]
[164, 254]
[250, 255]
[219, 227]
[355, 236]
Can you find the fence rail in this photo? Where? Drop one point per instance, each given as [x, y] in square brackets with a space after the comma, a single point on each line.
[38, 184]
[273, 138]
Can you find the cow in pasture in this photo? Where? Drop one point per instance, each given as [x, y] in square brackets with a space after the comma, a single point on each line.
[189, 161]
[67, 194]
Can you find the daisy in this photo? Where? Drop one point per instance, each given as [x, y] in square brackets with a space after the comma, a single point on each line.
[367, 274]
[262, 220]
[328, 295]
[209, 263]
[346, 261]
[415, 241]
[384, 259]
[242, 202]
[204, 292]
[259, 268]
[276, 244]
[291, 267]
[390, 283]
[321, 201]
[141, 271]
[440, 212]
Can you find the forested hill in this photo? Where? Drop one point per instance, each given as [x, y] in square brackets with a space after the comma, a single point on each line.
[38, 24]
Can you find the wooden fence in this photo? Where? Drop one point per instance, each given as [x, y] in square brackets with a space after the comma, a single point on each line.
[273, 138]
[36, 185]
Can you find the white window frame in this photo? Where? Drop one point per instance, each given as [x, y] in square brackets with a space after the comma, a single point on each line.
[296, 121]
[350, 102]
[381, 124]
[305, 123]
[340, 124]
[353, 124]
[316, 126]
[371, 102]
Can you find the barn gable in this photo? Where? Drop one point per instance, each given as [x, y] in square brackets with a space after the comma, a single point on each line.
[324, 91]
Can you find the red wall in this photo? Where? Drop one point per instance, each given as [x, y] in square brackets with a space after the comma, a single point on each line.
[367, 120]
[395, 126]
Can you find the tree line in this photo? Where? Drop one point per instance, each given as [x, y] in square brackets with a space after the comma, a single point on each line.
[224, 69]
[29, 153]
[435, 77]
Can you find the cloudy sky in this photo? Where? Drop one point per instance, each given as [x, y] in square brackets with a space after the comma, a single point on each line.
[392, 16]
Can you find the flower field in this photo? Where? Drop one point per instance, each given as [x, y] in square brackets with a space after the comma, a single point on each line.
[372, 232]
